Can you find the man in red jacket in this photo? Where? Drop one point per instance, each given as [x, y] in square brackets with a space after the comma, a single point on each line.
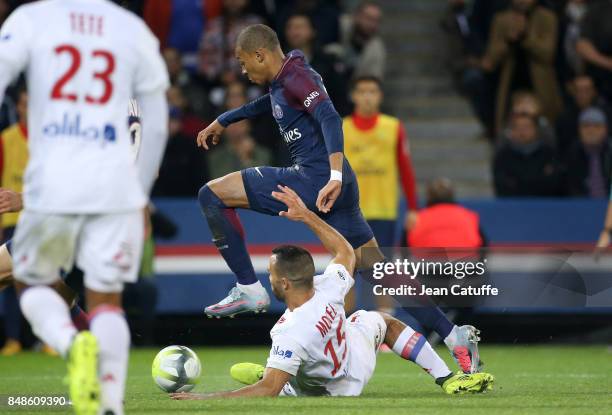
[444, 223]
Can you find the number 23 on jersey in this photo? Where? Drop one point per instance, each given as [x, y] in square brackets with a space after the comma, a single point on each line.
[107, 59]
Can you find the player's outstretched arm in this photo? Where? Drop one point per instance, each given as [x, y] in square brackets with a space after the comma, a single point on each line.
[270, 385]
[10, 201]
[215, 129]
[331, 239]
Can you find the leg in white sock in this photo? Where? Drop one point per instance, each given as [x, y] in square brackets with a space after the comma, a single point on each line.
[49, 317]
[413, 346]
[110, 328]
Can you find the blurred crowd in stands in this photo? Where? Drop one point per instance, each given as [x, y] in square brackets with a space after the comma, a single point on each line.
[538, 75]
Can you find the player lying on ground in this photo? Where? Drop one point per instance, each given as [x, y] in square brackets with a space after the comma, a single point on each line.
[321, 175]
[316, 350]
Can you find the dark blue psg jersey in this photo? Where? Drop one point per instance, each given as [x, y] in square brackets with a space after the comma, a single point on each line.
[295, 95]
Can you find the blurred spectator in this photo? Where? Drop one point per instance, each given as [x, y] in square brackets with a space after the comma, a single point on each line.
[191, 123]
[13, 160]
[323, 14]
[177, 73]
[179, 24]
[570, 21]
[590, 160]
[584, 94]
[183, 169]
[194, 91]
[482, 13]
[446, 231]
[464, 49]
[525, 165]
[361, 47]
[444, 223]
[526, 103]
[236, 151]
[522, 44]
[376, 146]
[595, 45]
[216, 56]
[300, 34]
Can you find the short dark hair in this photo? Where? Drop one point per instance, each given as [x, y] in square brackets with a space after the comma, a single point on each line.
[295, 264]
[366, 78]
[257, 36]
[440, 190]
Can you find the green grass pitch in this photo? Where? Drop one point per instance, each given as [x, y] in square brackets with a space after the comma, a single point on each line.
[530, 380]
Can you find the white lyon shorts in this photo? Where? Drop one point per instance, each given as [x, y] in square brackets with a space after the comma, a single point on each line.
[366, 332]
[107, 247]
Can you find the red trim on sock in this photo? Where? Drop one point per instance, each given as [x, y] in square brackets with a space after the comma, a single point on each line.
[232, 216]
[104, 308]
[81, 320]
[410, 345]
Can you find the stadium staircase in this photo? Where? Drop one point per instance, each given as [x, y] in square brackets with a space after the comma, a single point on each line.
[445, 137]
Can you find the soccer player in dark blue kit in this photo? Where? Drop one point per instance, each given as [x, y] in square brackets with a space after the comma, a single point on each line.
[320, 175]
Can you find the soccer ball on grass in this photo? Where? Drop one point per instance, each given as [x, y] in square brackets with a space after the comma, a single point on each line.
[176, 369]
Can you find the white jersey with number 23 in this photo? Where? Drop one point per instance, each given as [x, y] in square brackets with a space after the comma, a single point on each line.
[85, 59]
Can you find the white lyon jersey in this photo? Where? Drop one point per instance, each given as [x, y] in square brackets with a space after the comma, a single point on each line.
[84, 59]
[325, 353]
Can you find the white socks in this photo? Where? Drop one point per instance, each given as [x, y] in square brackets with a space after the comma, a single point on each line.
[411, 345]
[110, 328]
[49, 317]
[452, 338]
[255, 289]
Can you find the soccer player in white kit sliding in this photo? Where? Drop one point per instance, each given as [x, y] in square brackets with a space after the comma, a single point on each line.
[316, 349]
[83, 194]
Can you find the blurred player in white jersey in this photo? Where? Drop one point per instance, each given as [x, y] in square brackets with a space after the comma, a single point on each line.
[83, 194]
[316, 349]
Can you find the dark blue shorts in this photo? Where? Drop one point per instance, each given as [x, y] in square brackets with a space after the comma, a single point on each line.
[384, 232]
[345, 215]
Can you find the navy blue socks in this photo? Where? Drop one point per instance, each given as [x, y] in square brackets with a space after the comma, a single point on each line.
[228, 235]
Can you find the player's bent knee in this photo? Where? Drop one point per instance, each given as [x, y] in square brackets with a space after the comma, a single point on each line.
[207, 197]
[388, 318]
[229, 190]
[394, 328]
